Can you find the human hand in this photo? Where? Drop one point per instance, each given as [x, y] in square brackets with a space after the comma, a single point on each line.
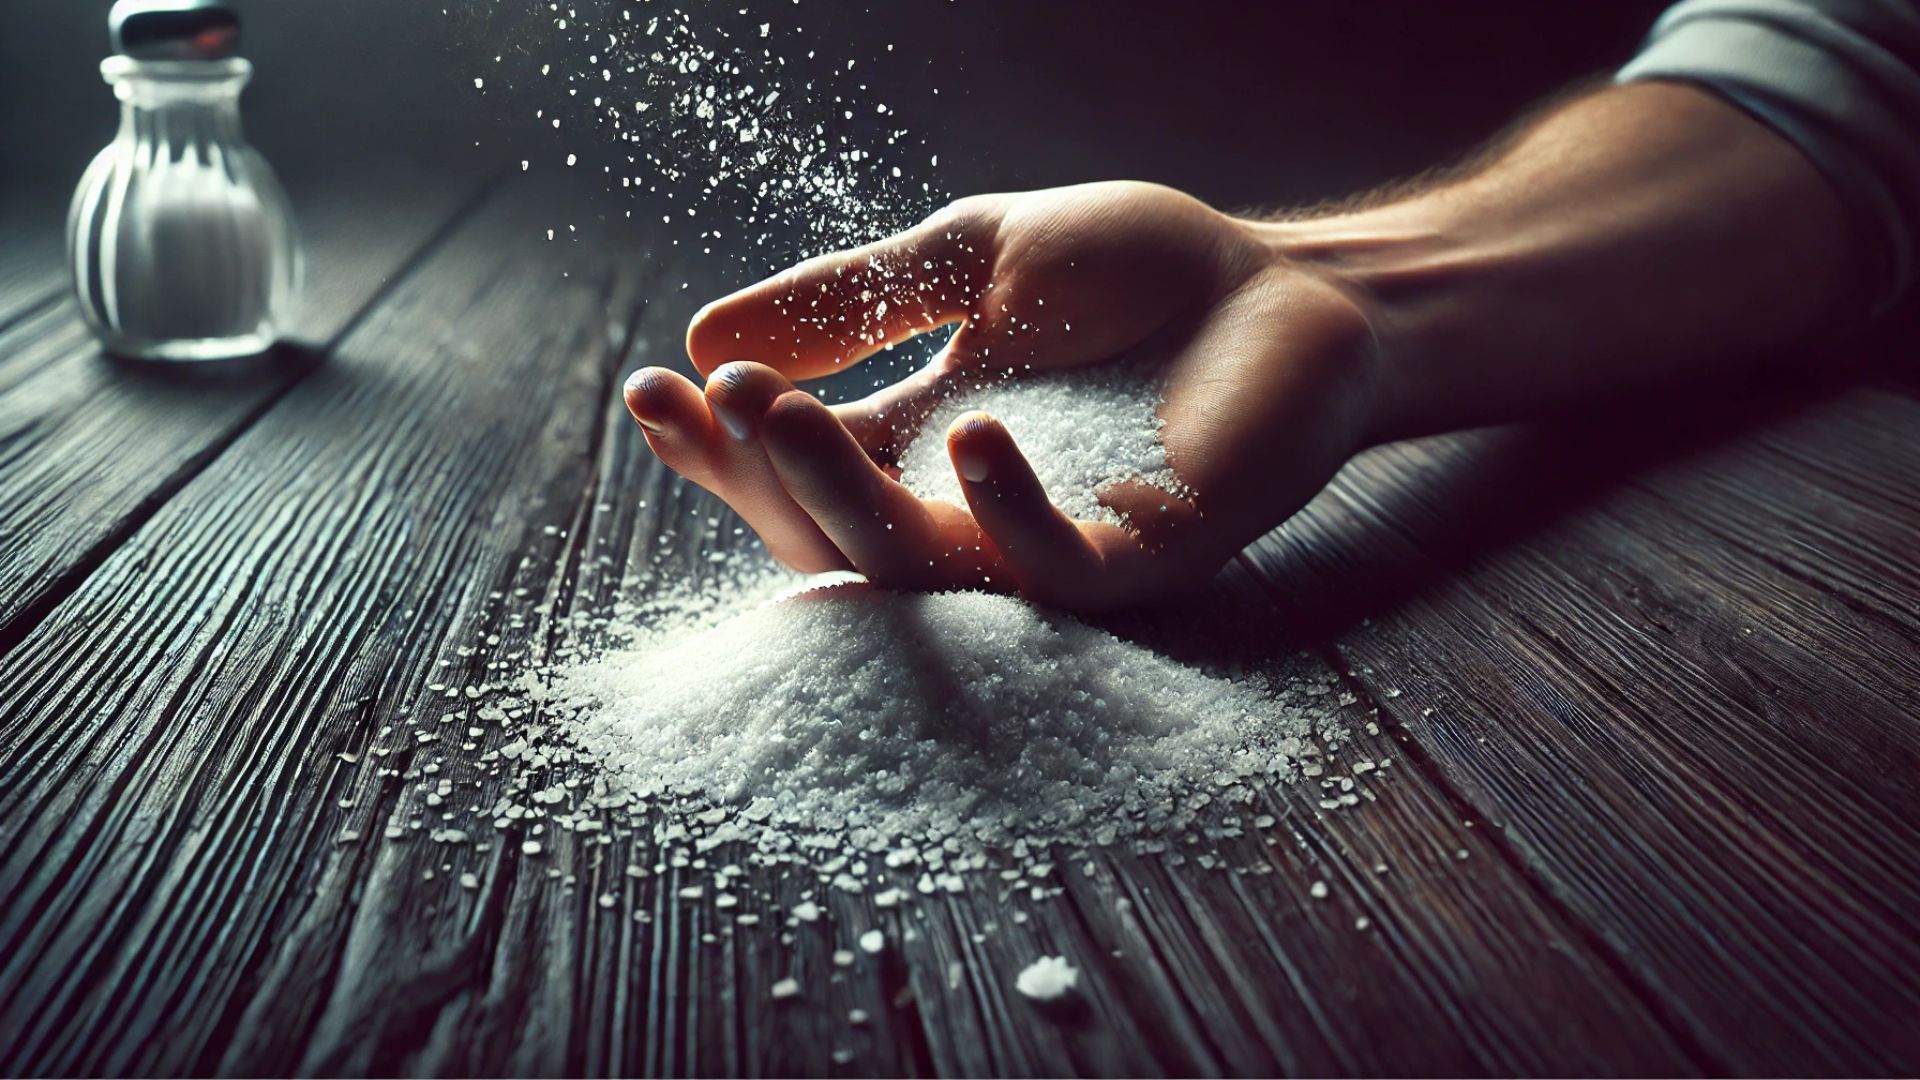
[1267, 370]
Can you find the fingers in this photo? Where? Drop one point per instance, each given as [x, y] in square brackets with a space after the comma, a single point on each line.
[675, 418]
[684, 427]
[738, 393]
[1084, 566]
[887, 420]
[1043, 549]
[837, 309]
[882, 528]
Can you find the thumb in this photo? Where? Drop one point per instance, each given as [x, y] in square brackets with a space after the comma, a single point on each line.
[839, 309]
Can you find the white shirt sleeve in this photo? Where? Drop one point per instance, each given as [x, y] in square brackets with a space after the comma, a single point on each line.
[1839, 78]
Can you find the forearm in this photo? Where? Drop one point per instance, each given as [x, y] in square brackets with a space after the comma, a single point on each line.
[1637, 238]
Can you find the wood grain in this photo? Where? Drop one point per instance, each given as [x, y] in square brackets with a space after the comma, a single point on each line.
[437, 506]
[32, 250]
[89, 446]
[1707, 758]
[1211, 975]
[172, 816]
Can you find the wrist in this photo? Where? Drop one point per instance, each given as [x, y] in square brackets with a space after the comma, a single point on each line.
[1406, 267]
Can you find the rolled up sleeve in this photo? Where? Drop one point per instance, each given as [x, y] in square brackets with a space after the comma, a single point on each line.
[1839, 78]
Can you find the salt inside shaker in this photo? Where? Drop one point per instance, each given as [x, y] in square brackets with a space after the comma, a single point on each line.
[181, 241]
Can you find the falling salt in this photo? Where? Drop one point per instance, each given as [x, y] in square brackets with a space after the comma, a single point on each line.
[704, 111]
[897, 746]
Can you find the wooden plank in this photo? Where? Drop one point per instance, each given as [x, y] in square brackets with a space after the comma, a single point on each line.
[32, 253]
[1190, 990]
[180, 898]
[1704, 757]
[1810, 527]
[1474, 973]
[89, 446]
[171, 818]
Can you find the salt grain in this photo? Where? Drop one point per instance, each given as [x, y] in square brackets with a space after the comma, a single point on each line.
[1049, 978]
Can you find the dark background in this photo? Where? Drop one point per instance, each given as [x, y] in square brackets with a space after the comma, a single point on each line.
[1241, 103]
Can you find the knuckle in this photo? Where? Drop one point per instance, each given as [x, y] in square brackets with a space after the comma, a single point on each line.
[961, 212]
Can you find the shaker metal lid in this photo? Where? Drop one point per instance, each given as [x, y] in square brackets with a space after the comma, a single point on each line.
[174, 29]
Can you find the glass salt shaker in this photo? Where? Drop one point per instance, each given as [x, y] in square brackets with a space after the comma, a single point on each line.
[181, 240]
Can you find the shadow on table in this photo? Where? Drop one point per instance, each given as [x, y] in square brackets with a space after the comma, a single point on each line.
[285, 361]
[1401, 520]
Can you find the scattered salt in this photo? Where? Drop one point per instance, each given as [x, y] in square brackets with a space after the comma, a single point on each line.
[892, 744]
[959, 717]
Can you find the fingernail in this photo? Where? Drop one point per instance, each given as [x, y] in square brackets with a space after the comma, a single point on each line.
[961, 444]
[733, 420]
[640, 380]
[973, 467]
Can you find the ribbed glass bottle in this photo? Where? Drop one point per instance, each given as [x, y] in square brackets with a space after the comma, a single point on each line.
[182, 243]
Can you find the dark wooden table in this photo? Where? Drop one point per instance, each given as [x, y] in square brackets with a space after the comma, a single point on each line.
[1651, 689]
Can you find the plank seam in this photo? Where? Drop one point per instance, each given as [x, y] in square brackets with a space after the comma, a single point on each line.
[1586, 936]
[566, 582]
[30, 309]
[68, 581]
[1844, 596]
